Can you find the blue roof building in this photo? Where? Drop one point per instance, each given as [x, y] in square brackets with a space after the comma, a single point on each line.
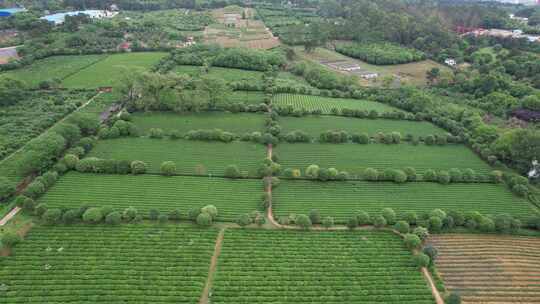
[6, 12]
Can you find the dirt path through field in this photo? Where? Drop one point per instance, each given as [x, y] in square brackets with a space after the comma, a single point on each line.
[205, 297]
[9, 216]
[432, 286]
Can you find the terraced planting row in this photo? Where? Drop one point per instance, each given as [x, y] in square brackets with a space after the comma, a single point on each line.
[100, 264]
[326, 104]
[111, 70]
[354, 158]
[490, 269]
[260, 266]
[342, 199]
[315, 125]
[145, 192]
[235, 123]
[191, 157]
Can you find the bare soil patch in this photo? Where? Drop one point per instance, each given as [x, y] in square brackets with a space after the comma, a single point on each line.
[488, 268]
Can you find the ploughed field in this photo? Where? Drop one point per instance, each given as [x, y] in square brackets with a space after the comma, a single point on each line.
[326, 104]
[490, 268]
[103, 264]
[235, 123]
[315, 125]
[261, 266]
[355, 158]
[190, 157]
[164, 193]
[342, 199]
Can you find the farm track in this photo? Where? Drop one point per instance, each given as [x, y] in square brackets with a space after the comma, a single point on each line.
[490, 269]
[212, 269]
[9, 216]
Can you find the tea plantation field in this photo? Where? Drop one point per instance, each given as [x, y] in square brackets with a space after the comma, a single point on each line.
[145, 192]
[326, 104]
[111, 71]
[235, 123]
[315, 125]
[100, 264]
[342, 199]
[260, 266]
[354, 158]
[191, 157]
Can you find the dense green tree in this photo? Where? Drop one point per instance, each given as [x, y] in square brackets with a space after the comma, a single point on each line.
[412, 241]
[303, 221]
[168, 168]
[421, 260]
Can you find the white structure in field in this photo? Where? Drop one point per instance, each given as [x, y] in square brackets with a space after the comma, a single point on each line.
[369, 75]
[535, 171]
[450, 62]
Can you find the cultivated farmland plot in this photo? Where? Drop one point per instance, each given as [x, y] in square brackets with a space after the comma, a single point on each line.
[325, 104]
[258, 266]
[354, 158]
[488, 268]
[315, 125]
[342, 199]
[111, 71]
[98, 264]
[145, 192]
[248, 97]
[228, 74]
[236, 123]
[191, 157]
[58, 67]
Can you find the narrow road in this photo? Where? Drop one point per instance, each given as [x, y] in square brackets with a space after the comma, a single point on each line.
[434, 290]
[9, 216]
[205, 297]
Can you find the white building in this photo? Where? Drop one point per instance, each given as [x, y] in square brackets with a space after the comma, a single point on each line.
[60, 18]
[450, 62]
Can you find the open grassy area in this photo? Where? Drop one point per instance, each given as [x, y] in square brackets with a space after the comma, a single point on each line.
[191, 157]
[342, 199]
[315, 125]
[145, 192]
[258, 266]
[489, 268]
[99, 264]
[354, 158]
[110, 71]
[326, 104]
[57, 67]
[236, 123]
